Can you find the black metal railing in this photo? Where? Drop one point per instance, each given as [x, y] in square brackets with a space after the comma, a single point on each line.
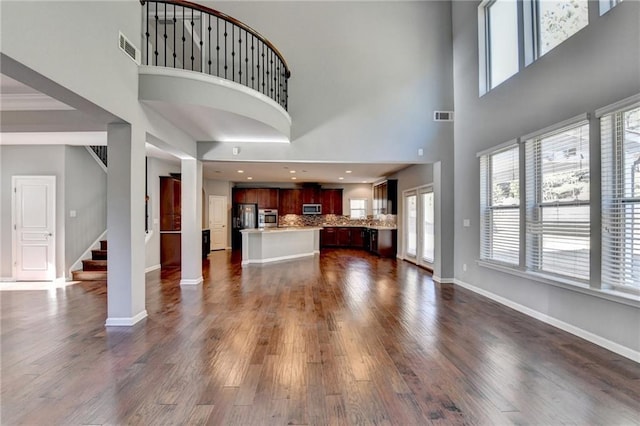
[184, 35]
[101, 152]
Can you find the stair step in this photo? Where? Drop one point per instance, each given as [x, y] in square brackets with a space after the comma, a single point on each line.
[94, 265]
[99, 254]
[103, 244]
[89, 275]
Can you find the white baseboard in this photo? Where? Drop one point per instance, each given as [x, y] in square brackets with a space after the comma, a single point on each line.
[152, 268]
[126, 322]
[444, 280]
[195, 281]
[577, 331]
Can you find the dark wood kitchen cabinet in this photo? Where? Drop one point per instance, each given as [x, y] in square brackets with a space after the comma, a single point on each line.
[170, 202]
[331, 201]
[328, 237]
[357, 237]
[245, 195]
[311, 195]
[385, 197]
[267, 198]
[344, 237]
[383, 242]
[290, 201]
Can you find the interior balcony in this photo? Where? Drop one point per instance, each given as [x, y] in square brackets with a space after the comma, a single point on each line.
[211, 75]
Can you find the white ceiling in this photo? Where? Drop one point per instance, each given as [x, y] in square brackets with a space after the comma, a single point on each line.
[16, 96]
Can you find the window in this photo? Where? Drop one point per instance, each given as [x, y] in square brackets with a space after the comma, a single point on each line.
[513, 34]
[358, 208]
[607, 5]
[501, 31]
[557, 194]
[500, 205]
[620, 145]
[558, 20]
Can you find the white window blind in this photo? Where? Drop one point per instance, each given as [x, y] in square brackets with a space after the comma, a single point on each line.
[557, 194]
[500, 206]
[620, 145]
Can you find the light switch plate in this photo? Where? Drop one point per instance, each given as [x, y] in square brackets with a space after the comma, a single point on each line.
[466, 223]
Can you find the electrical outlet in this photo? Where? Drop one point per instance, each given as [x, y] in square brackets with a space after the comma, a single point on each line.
[464, 267]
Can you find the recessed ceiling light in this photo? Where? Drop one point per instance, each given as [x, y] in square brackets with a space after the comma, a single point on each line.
[348, 171]
[249, 178]
[364, 181]
[340, 178]
[292, 171]
[293, 178]
[240, 171]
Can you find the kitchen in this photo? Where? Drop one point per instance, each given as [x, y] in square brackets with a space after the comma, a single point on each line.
[323, 216]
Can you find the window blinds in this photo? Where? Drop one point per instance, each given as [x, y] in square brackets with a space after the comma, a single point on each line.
[557, 194]
[500, 193]
[620, 145]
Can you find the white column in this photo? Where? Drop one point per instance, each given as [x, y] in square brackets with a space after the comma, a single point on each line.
[125, 226]
[191, 218]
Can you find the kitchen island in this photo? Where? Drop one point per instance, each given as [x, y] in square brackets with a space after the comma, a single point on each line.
[275, 244]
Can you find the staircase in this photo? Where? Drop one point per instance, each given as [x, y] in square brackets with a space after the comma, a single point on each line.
[94, 269]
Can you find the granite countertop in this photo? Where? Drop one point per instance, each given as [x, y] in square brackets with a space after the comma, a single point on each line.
[378, 227]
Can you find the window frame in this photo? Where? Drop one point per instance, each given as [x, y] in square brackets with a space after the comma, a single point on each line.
[528, 43]
[614, 202]
[364, 210]
[487, 236]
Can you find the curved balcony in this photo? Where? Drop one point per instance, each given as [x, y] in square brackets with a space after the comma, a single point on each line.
[189, 48]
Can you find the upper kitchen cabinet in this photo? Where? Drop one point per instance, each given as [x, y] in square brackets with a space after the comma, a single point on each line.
[311, 195]
[268, 198]
[331, 201]
[290, 201]
[385, 197]
[245, 196]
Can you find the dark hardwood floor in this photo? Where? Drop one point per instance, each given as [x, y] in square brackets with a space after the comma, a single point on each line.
[344, 338]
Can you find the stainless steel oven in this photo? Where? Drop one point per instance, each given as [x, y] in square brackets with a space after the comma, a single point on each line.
[267, 218]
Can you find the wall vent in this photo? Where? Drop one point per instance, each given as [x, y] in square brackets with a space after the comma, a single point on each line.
[129, 48]
[442, 115]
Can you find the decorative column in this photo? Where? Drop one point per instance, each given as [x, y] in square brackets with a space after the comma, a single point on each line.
[125, 226]
[191, 218]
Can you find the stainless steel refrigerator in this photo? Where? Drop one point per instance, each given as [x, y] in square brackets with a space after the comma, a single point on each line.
[245, 216]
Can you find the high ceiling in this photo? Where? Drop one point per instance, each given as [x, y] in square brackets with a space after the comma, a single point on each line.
[17, 97]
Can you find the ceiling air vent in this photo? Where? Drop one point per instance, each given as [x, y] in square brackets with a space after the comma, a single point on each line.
[442, 115]
[127, 47]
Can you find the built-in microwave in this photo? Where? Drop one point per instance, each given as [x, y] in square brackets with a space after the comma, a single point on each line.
[312, 209]
[267, 218]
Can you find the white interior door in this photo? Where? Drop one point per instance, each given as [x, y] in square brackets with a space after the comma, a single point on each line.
[218, 221]
[34, 204]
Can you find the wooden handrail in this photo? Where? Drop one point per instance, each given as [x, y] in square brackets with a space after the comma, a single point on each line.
[230, 19]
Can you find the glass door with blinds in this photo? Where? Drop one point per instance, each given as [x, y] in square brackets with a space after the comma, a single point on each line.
[419, 229]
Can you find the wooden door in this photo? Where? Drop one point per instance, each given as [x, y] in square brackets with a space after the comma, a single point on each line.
[34, 242]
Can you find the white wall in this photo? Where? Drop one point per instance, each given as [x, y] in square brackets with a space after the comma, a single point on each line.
[86, 194]
[31, 160]
[597, 66]
[366, 77]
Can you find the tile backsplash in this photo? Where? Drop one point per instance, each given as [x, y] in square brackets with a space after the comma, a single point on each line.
[335, 220]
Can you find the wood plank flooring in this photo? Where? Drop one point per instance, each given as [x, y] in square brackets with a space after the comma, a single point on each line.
[345, 338]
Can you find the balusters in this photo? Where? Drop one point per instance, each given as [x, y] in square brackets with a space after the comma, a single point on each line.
[251, 56]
